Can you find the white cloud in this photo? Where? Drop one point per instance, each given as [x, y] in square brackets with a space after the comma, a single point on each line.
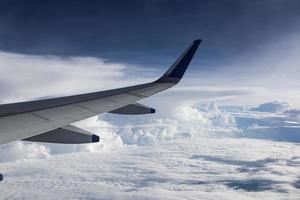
[219, 117]
[19, 151]
[273, 106]
[293, 114]
[27, 76]
[199, 167]
[188, 155]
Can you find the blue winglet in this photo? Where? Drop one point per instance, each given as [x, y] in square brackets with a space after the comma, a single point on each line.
[176, 71]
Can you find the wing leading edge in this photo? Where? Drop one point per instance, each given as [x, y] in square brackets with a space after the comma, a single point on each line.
[27, 119]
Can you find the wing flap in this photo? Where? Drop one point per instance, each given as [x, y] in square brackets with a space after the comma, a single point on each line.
[19, 121]
[66, 135]
[133, 109]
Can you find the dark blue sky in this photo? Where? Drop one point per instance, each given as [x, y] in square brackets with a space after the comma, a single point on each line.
[148, 33]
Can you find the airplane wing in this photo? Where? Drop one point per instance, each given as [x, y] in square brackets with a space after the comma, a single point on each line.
[49, 120]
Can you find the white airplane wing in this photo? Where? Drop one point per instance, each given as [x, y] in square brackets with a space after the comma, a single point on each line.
[49, 120]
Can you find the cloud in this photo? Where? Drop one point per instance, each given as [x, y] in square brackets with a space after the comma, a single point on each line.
[29, 76]
[182, 122]
[19, 151]
[119, 131]
[293, 114]
[116, 132]
[220, 118]
[273, 121]
[140, 156]
[273, 107]
[199, 167]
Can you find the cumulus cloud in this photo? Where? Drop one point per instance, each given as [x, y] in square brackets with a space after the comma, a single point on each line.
[184, 122]
[293, 114]
[118, 131]
[219, 117]
[18, 151]
[273, 106]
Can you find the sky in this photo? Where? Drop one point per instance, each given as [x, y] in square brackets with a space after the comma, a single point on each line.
[230, 129]
[133, 31]
[247, 44]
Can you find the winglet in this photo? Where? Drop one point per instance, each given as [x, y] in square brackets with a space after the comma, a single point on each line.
[176, 71]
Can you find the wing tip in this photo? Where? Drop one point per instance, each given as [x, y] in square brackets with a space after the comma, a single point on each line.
[177, 70]
[198, 41]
